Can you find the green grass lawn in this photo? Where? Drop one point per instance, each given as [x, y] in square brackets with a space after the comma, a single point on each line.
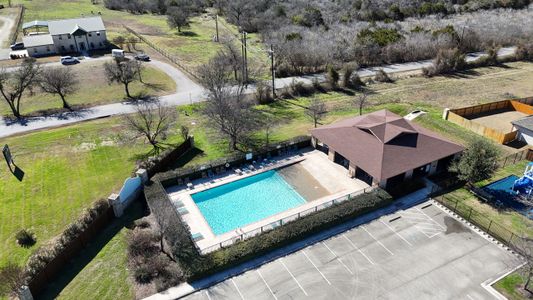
[193, 46]
[67, 169]
[512, 287]
[93, 89]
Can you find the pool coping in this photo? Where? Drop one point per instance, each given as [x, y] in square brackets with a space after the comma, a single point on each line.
[206, 244]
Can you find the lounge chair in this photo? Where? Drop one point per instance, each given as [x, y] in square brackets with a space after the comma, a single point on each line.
[197, 237]
[238, 171]
[190, 186]
[183, 211]
[179, 204]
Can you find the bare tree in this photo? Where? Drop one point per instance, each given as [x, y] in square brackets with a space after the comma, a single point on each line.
[59, 81]
[119, 41]
[11, 279]
[121, 71]
[360, 101]
[233, 58]
[139, 68]
[524, 246]
[14, 83]
[316, 110]
[132, 41]
[178, 17]
[151, 120]
[226, 107]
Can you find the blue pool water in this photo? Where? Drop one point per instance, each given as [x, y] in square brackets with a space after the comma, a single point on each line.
[236, 204]
[502, 191]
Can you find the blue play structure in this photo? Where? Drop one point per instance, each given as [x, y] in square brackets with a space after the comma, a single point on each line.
[524, 185]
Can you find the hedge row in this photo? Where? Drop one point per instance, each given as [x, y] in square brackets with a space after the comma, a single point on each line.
[39, 260]
[170, 177]
[196, 266]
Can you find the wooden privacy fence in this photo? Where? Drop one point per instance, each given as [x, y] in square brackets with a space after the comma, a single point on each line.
[18, 24]
[463, 116]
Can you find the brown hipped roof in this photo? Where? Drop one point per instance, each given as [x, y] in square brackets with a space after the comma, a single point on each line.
[385, 144]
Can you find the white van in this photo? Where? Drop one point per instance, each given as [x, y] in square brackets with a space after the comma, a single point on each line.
[117, 53]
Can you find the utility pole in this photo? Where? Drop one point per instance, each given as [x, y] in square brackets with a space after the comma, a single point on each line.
[216, 25]
[245, 57]
[242, 56]
[273, 70]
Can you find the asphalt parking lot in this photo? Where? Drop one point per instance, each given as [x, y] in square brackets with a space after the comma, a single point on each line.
[419, 253]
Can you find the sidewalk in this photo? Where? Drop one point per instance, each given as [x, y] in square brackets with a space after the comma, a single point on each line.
[189, 288]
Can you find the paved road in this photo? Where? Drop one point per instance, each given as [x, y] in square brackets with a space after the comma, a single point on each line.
[189, 92]
[420, 252]
[5, 32]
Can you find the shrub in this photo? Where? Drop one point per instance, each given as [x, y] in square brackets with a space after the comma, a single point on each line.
[143, 274]
[380, 36]
[524, 52]
[347, 73]
[332, 77]
[488, 60]
[141, 243]
[298, 88]
[263, 93]
[25, 238]
[12, 277]
[142, 223]
[447, 61]
[355, 81]
[45, 254]
[382, 76]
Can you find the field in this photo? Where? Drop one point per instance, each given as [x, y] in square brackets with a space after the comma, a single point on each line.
[69, 168]
[94, 89]
[193, 46]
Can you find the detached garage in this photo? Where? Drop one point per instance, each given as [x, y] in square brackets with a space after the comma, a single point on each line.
[39, 45]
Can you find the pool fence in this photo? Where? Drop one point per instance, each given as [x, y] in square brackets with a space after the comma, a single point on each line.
[283, 221]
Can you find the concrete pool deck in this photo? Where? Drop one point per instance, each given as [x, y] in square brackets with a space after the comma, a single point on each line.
[333, 179]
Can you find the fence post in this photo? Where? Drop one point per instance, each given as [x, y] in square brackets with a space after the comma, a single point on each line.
[470, 213]
[512, 235]
[488, 229]
[455, 207]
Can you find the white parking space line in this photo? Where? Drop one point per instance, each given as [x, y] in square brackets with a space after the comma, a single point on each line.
[298, 283]
[338, 258]
[309, 259]
[262, 278]
[239, 291]
[359, 250]
[208, 296]
[397, 233]
[432, 236]
[372, 236]
[469, 297]
[431, 218]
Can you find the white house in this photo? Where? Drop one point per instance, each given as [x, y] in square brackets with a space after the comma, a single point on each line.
[65, 36]
[524, 127]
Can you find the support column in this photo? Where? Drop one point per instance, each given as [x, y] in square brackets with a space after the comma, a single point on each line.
[351, 171]
[383, 184]
[25, 293]
[331, 154]
[433, 167]
[408, 175]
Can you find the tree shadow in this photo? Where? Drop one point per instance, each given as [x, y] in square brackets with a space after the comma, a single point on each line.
[154, 86]
[78, 263]
[187, 33]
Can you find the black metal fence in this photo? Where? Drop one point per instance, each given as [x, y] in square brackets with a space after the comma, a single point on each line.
[498, 231]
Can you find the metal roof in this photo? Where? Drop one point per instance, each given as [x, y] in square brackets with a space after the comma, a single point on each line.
[526, 122]
[37, 40]
[34, 24]
[69, 25]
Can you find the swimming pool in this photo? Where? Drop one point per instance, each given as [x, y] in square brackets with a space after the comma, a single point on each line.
[248, 200]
